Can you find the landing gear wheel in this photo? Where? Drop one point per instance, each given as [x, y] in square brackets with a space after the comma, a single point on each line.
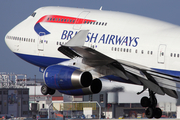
[44, 90]
[145, 102]
[157, 113]
[151, 103]
[52, 91]
[149, 113]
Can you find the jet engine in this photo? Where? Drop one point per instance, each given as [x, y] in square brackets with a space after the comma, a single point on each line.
[72, 81]
[66, 77]
[97, 85]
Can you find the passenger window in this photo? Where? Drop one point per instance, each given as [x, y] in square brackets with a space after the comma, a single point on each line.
[142, 51]
[136, 51]
[162, 53]
[151, 52]
[171, 55]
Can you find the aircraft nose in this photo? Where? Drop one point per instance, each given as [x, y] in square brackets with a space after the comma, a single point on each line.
[7, 38]
[10, 39]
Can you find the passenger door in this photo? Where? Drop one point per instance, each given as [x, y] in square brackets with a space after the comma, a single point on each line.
[161, 53]
[41, 41]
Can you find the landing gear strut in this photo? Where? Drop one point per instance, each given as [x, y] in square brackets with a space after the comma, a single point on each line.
[46, 90]
[151, 103]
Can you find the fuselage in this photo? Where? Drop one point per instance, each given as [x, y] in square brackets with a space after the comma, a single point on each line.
[122, 36]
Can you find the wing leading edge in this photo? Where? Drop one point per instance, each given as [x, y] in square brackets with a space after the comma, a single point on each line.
[158, 82]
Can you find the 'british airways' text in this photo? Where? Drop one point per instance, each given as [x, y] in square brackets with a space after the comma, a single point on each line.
[104, 38]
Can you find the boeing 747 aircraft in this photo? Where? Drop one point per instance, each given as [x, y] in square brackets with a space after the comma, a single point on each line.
[78, 48]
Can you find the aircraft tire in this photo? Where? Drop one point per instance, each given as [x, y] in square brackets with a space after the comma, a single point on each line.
[145, 101]
[157, 113]
[44, 90]
[149, 112]
[52, 91]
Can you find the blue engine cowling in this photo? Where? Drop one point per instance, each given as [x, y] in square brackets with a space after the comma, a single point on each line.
[95, 87]
[66, 77]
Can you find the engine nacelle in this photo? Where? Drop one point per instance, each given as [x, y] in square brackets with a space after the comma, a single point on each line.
[66, 77]
[95, 87]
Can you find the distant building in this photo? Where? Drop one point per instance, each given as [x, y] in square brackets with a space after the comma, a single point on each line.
[119, 104]
[14, 101]
[14, 95]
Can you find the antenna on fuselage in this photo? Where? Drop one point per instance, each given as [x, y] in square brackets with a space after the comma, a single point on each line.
[100, 8]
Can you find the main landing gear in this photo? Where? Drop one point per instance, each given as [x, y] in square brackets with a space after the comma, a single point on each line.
[46, 90]
[151, 103]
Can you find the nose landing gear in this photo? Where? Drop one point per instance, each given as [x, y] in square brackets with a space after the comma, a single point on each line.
[151, 103]
[46, 90]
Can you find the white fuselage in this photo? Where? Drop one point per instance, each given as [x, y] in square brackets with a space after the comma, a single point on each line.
[122, 36]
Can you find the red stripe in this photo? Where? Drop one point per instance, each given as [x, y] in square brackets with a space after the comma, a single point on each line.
[63, 19]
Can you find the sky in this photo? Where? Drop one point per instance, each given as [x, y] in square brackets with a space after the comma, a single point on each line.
[13, 12]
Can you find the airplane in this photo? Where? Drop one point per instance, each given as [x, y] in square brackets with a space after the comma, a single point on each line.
[76, 48]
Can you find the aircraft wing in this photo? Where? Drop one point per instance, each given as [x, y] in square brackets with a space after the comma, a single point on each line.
[158, 82]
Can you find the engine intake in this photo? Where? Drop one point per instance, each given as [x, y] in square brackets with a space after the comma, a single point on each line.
[66, 77]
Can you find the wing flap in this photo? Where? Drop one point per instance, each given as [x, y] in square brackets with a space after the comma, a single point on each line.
[68, 52]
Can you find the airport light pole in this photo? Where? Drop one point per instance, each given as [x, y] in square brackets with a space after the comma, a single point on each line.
[35, 88]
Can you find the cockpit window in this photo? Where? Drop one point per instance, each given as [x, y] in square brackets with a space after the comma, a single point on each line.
[33, 14]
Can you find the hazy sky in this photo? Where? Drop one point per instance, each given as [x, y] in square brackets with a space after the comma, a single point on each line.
[13, 12]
